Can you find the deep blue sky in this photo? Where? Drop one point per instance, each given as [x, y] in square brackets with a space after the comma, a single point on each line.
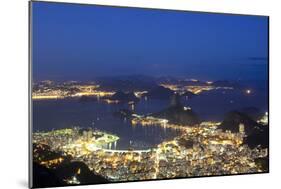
[73, 41]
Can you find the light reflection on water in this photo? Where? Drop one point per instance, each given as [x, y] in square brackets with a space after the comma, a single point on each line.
[57, 114]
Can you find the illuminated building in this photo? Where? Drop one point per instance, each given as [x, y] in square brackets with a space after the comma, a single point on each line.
[264, 119]
[50, 90]
[241, 128]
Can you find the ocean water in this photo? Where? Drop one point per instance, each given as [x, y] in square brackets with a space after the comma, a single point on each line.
[210, 106]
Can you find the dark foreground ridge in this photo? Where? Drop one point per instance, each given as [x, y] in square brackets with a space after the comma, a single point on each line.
[61, 174]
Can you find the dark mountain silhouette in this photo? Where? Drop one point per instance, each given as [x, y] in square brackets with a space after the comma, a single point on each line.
[44, 177]
[252, 112]
[258, 137]
[45, 153]
[124, 97]
[160, 93]
[178, 114]
[81, 171]
[234, 118]
[263, 163]
[57, 174]
[257, 134]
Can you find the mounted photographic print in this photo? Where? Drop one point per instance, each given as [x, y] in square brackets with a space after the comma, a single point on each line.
[121, 94]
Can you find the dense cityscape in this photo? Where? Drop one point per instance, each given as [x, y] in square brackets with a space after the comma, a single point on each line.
[201, 149]
[128, 94]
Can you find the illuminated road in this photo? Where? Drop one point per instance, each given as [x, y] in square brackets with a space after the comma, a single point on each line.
[125, 151]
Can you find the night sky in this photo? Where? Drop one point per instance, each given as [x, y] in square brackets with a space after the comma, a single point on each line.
[81, 42]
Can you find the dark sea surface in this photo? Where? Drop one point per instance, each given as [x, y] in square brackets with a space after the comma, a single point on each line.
[210, 105]
[66, 113]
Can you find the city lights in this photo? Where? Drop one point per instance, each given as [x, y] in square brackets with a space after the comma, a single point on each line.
[248, 91]
[197, 150]
[210, 149]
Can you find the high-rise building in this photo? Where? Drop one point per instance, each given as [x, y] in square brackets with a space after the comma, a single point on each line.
[85, 135]
[241, 128]
[90, 134]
